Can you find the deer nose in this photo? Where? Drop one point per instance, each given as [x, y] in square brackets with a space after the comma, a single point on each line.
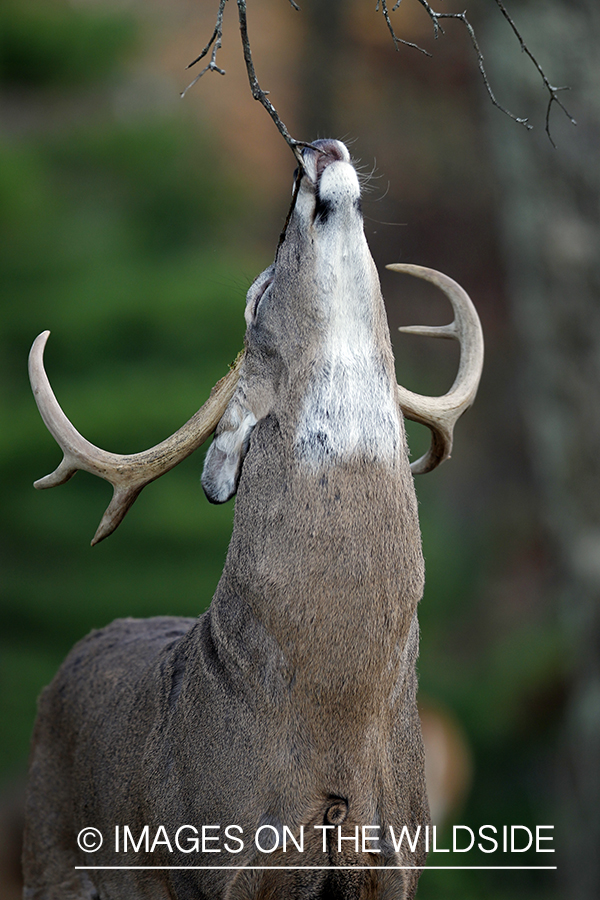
[335, 150]
[324, 152]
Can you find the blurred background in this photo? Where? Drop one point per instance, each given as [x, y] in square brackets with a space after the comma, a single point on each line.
[131, 224]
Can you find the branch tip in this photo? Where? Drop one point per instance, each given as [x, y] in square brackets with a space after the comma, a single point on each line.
[438, 30]
[381, 6]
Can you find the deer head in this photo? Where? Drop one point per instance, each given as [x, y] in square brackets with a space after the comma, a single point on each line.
[244, 395]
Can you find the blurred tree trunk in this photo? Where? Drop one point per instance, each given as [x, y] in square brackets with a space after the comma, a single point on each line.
[550, 201]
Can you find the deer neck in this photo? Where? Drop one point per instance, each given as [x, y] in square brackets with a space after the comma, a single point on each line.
[326, 539]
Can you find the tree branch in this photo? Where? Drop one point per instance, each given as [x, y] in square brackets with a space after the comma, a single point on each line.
[397, 41]
[462, 17]
[552, 89]
[215, 42]
[257, 91]
[382, 5]
[437, 30]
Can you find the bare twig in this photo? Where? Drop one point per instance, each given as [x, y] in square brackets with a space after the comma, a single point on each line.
[397, 41]
[259, 94]
[381, 5]
[215, 43]
[462, 17]
[552, 89]
[257, 91]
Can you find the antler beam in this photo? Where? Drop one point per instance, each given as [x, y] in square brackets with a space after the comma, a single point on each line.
[128, 474]
[440, 414]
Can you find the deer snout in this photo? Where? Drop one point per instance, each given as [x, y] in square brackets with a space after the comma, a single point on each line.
[321, 154]
[330, 178]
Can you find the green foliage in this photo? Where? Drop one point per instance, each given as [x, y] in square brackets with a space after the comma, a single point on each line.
[113, 235]
[55, 44]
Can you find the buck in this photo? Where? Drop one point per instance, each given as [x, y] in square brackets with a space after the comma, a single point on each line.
[289, 707]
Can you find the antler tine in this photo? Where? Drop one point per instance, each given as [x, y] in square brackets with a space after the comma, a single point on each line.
[441, 413]
[128, 474]
[439, 331]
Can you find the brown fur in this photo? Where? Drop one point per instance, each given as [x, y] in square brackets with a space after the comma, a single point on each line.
[293, 699]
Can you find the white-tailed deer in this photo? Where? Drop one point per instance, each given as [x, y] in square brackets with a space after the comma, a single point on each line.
[290, 704]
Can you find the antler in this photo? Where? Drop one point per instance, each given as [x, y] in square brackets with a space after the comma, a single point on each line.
[128, 474]
[441, 413]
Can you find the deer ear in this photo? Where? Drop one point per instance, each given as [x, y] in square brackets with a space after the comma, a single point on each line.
[223, 463]
[256, 292]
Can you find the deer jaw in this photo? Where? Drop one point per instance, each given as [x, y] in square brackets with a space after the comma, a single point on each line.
[318, 351]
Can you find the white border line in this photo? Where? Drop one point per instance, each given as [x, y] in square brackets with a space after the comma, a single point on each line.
[328, 868]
